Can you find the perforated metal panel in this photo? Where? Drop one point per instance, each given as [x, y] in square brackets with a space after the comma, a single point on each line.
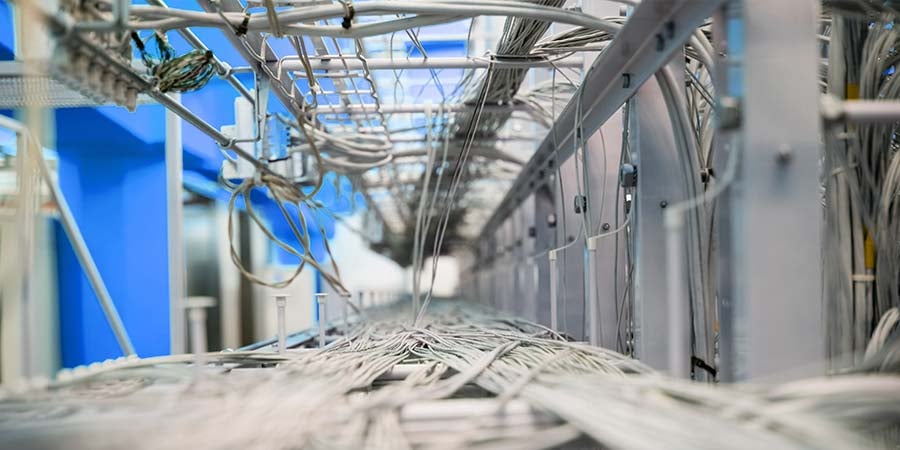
[41, 87]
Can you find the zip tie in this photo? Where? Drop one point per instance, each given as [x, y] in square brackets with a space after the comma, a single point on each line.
[242, 29]
[348, 15]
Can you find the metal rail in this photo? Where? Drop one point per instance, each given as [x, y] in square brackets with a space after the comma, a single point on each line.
[643, 45]
[63, 29]
[332, 62]
[414, 108]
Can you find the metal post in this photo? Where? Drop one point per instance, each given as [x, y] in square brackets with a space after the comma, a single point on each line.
[175, 229]
[280, 305]
[771, 301]
[592, 300]
[29, 39]
[323, 319]
[345, 311]
[554, 283]
[28, 194]
[196, 308]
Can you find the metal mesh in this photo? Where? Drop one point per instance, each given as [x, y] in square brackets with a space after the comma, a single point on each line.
[18, 90]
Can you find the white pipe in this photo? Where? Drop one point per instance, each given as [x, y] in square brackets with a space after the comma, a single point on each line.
[26, 218]
[280, 305]
[554, 309]
[835, 110]
[175, 228]
[196, 307]
[593, 307]
[413, 108]
[336, 63]
[345, 312]
[323, 319]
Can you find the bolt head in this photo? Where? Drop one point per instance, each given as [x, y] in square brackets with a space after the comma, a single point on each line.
[784, 155]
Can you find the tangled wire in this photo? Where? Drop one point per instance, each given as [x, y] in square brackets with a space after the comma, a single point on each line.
[464, 378]
[185, 73]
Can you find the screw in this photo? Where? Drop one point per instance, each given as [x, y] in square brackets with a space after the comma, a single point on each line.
[605, 226]
[784, 154]
[663, 204]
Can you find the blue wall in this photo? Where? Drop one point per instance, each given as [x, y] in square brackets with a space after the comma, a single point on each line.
[116, 201]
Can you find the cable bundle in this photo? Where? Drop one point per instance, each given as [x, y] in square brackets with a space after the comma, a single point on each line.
[188, 72]
[463, 378]
[862, 187]
[518, 38]
[185, 73]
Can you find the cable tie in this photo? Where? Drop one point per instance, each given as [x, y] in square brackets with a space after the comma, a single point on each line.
[244, 26]
[699, 363]
[348, 17]
[862, 278]
[137, 41]
[227, 145]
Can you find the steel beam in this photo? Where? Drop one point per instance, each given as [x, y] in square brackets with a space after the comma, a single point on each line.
[175, 230]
